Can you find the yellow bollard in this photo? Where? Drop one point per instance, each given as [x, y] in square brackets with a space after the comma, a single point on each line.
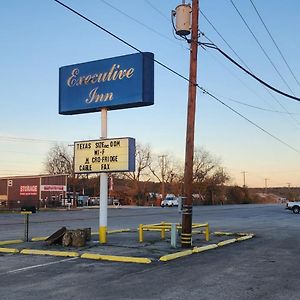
[102, 235]
[162, 231]
[207, 232]
[141, 233]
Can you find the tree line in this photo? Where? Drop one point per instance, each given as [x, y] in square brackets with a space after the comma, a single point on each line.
[155, 176]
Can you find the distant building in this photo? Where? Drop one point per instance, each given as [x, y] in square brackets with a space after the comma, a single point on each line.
[38, 191]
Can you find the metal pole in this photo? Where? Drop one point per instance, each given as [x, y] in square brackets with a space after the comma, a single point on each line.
[266, 184]
[186, 236]
[244, 177]
[173, 235]
[26, 227]
[103, 187]
[26, 224]
[163, 193]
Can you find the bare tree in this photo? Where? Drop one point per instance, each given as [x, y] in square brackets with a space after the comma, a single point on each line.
[204, 165]
[164, 169]
[219, 176]
[142, 162]
[59, 160]
[209, 177]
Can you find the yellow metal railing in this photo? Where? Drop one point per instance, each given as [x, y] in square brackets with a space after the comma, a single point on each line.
[164, 227]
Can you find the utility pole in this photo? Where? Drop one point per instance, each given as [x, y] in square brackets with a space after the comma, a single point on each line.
[163, 164]
[72, 168]
[187, 207]
[289, 197]
[266, 184]
[244, 177]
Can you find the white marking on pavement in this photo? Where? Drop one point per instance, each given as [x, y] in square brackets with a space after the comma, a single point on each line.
[40, 265]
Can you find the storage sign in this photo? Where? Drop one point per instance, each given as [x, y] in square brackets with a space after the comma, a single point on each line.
[106, 155]
[113, 83]
[53, 188]
[28, 190]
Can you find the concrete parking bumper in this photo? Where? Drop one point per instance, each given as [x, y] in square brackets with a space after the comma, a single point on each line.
[117, 250]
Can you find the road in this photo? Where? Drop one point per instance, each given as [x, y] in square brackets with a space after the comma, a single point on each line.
[265, 267]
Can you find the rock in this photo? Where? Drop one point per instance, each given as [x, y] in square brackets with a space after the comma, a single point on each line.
[78, 238]
[88, 233]
[67, 238]
[56, 237]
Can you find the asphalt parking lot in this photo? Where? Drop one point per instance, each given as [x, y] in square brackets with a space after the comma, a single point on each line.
[264, 267]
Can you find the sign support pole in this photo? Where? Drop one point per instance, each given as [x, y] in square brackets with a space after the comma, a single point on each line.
[103, 187]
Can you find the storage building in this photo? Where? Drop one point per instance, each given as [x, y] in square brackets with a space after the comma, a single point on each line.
[39, 191]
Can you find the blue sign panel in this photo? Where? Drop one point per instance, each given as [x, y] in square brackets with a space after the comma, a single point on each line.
[113, 83]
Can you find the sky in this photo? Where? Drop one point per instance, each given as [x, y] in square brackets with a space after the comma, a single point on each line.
[39, 37]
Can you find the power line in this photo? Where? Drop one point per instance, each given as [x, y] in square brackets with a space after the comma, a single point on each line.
[256, 174]
[178, 74]
[223, 39]
[278, 102]
[166, 19]
[243, 83]
[263, 50]
[276, 45]
[13, 172]
[248, 120]
[274, 98]
[255, 107]
[213, 46]
[139, 22]
[29, 140]
[22, 153]
[157, 10]
[165, 66]
[119, 39]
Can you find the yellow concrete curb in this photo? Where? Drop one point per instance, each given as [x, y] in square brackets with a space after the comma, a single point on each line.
[223, 233]
[91, 256]
[139, 260]
[246, 237]
[118, 230]
[38, 239]
[244, 233]
[176, 255]
[155, 229]
[11, 242]
[204, 248]
[9, 250]
[113, 231]
[223, 243]
[49, 252]
[233, 233]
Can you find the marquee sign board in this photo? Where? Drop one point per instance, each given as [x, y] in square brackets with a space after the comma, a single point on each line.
[104, 156]
[113, 83]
